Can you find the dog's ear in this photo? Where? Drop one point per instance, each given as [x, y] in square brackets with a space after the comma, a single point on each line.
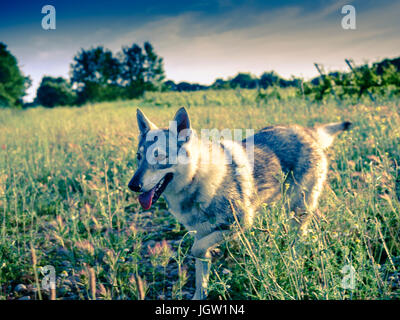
[182, 120]
[183, 125]
[144, 124]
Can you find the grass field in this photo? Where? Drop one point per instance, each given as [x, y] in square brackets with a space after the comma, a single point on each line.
[64, 202]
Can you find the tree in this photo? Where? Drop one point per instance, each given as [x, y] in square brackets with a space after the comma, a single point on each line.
[391, 77]
[186, 86]
[99, 76]
[13, 84]
[142, 70]
[154, 68]
[96, 73]
[133, 70]
[55, 92]
[221, 84]
[169, 85]
[244, 80]
[269, 79]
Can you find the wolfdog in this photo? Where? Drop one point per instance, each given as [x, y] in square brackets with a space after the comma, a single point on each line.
[209, 197]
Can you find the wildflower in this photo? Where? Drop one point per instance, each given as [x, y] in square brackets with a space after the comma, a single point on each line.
[85, 246]
[132, 230]
[160, 254]
[139, 285]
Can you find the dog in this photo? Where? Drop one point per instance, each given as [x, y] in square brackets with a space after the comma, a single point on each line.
[208, 197]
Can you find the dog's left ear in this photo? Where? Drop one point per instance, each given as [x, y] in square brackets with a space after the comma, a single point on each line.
[183, 123]
[182, 119]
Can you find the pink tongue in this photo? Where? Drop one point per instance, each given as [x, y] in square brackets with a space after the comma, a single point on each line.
[145, 199]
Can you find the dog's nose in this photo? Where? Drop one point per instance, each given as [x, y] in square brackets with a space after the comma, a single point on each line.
[135, 186]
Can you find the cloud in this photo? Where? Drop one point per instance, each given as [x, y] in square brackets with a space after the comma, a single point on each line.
[288, 40]
[200, 45]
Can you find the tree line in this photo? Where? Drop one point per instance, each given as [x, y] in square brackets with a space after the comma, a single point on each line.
[97, 74]
[242, 80]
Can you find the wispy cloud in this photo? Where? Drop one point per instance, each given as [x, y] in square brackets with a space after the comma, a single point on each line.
[287, 40]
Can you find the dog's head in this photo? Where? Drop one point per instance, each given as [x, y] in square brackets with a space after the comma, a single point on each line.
[161, 155]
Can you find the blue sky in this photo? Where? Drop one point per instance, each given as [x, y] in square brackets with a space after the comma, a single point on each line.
[203, 40]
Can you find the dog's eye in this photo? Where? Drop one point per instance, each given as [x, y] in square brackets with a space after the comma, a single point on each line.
[159, 156]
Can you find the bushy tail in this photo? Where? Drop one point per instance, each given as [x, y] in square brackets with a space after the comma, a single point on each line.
[327, 132]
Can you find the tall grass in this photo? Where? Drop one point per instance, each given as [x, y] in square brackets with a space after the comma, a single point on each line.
[63, 191]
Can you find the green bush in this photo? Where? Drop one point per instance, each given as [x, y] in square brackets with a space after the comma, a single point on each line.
[55, 92]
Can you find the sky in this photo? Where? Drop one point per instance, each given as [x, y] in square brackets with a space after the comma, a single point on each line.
[203, 40]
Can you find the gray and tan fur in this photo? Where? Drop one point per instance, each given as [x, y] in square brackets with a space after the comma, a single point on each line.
[201, 194]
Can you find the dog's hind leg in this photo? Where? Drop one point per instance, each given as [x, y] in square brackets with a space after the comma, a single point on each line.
[309, 176]
[309, 179]
[201, 251]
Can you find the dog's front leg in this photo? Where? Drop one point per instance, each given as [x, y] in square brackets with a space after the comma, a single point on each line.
[201, 251]
[202, 274]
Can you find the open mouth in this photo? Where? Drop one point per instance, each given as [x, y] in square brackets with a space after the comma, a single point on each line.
[147, 198]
